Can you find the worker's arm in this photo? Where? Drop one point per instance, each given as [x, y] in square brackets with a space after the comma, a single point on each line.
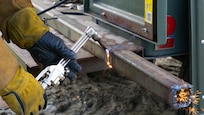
[18, 88]
[27, 30]
[8, 9]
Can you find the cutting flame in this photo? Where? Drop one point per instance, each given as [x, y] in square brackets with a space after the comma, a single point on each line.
[108, 60]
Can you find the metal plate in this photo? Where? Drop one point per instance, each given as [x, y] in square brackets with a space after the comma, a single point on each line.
[142, 17]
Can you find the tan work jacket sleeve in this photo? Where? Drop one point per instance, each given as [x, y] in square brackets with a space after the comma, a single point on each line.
[20, 23]
[8, 65]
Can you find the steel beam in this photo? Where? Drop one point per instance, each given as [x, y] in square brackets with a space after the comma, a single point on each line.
[126, 62]
[148, 75]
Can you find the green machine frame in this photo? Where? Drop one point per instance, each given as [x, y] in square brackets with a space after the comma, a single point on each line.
[197, 47]
[138, 17]
[130, 19]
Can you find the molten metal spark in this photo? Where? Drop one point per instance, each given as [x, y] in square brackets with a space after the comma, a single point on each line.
[186, 99]
[195, 97]
[108, 58]
[192, 111]
[183, 95]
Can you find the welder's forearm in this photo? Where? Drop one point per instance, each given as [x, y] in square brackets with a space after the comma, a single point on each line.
[8, 9]
[8, 65]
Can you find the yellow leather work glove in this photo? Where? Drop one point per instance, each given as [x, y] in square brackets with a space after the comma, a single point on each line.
[8, 8]
[20, 23]
[18, 88]
[23, 94]
[25, 28]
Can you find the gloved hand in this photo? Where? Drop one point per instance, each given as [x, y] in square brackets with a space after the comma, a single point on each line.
[18, 88]
[25, 28]
[28, 31]
[50, 49]
[23, 94]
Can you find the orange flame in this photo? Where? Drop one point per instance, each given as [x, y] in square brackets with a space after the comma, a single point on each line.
[108, 60]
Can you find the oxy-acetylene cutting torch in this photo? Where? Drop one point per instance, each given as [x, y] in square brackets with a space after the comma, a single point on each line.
[54, 74]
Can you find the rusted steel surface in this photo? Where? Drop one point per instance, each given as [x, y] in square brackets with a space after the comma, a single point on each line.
[124, 60]
[148, 75]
